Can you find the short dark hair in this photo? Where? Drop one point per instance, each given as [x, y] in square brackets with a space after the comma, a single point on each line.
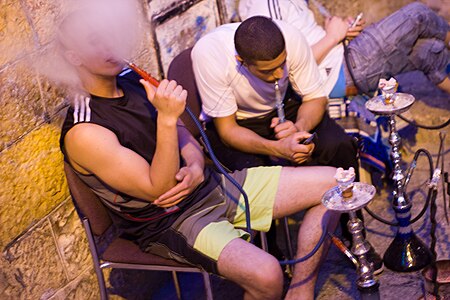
[258, 38]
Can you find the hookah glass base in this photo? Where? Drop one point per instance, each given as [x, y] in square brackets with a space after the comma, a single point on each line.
[407, 254]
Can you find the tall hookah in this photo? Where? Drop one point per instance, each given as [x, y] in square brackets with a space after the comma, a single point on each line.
[348, 197]
[406, 252]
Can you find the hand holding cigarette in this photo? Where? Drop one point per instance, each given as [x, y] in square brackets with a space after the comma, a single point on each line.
[355, 27]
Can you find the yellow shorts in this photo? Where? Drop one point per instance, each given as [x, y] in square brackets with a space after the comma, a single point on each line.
[202, 231]
[260, 185]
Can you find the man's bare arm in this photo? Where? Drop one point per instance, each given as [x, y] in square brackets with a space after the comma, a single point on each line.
[336, 29]
[188, 177]
[310, 113]
[248, 141]
[191, 150]
[96, 150]
[93, 149]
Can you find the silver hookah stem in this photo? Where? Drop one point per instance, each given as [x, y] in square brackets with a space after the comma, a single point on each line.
[279, 103]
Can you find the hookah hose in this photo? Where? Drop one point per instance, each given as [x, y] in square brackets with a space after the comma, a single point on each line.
[222, 170]
[433, 244]
[247, 207]
[435, 127]
[216, 162]
[407, 179]
[442, 136]
[433, 186]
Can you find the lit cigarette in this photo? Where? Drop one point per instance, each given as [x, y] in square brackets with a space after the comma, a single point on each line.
[358, 18]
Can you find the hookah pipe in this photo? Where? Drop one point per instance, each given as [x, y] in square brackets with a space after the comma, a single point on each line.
[406, 252]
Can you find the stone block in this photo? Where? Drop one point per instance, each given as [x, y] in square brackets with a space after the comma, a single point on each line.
[375, 11]
[145, 56]
[85, 286]
[157, 7]
[53, 98]
[149, 62]
[16, 36]
[42, 15]
[20, 102]
[70, 239]
[33, 181]
[34, 265]
[231, 10]
[52, 79]
[182, 31]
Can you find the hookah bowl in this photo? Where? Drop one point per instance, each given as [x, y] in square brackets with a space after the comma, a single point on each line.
[348, 197]
[407, 252]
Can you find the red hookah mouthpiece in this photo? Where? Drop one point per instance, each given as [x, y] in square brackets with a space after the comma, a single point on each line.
[143, 74]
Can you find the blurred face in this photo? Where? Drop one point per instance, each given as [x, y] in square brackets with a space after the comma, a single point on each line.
[94, 53]
[97, 43]
[268, 70]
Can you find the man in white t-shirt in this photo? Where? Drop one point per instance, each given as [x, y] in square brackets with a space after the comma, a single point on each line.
[236, 67]
[413, 38]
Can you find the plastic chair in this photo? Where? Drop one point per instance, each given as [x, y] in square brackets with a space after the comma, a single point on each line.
[180, 70]
[119, 253]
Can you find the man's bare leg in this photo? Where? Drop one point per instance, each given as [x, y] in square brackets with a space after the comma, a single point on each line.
[255, 270]
[299, 189]
[258, 272]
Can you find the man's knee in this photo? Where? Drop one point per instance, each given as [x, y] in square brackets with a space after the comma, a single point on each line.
[269, 278]
[415, 7]
[431, 57]
[417, 11]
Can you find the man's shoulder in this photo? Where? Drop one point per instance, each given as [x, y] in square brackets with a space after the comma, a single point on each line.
[87, 131]
[294, 38]
[287, 29]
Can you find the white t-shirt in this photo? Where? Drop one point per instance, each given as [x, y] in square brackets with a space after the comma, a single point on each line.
[227, 87]
[297, 13]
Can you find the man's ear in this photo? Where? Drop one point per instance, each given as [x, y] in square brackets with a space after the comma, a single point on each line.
[240, 60]
[72, 57]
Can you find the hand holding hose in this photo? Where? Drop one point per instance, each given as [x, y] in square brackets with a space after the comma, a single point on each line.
[169, 98]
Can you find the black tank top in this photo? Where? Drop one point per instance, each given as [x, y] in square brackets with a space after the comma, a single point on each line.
[132, 119]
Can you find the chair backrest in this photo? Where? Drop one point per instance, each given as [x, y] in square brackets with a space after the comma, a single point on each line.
[113, 248]
[180, 70]
[87, 202]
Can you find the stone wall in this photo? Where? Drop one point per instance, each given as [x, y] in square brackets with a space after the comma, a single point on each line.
[44, 252]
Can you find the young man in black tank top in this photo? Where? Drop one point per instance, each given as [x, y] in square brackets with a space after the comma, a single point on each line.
[127, 144]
